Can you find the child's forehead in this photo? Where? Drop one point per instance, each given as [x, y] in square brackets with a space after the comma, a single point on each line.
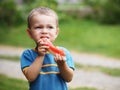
[39, 14]
[50, 13]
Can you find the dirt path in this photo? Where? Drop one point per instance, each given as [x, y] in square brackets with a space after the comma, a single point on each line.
[95, 60]
[81, 77]
[85, 59]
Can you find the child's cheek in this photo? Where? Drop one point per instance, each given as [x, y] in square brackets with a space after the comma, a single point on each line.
[36, 37]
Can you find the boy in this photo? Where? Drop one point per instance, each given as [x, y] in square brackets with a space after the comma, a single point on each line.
[43, 70]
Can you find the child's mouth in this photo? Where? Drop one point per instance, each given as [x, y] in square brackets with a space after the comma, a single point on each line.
[44, 37]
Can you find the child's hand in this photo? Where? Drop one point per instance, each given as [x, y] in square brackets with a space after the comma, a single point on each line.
[54, 50]
[42, 47]
[60, 60]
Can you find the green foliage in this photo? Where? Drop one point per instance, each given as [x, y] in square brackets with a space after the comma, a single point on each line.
[105, 11]
[37, 3]
[27, 2]
[111, 12]
[63, 17]
[10, 15]
[30, 4]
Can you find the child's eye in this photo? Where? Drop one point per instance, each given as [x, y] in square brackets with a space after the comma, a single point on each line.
[50, 27]
[39, 27]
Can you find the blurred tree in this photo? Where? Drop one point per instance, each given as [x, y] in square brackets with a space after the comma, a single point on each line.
[111, 12]
[10, 15]
[36, 3]
[48, 3]
[30, 4]
[27, 1]
[105, 11]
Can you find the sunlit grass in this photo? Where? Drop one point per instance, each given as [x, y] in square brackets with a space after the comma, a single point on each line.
[91, 37]
[77, 35]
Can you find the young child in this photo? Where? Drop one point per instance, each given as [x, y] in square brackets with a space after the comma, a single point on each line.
[44, 70]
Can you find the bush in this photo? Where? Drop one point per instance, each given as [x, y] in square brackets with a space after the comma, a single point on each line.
[9, 13]
[111, 11]
[28, 5]
[37, 3]
[105, 11]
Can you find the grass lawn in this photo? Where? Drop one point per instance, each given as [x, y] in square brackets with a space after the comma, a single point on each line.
[7, 83]
[77, 35]
[12, 84]
[115, 72]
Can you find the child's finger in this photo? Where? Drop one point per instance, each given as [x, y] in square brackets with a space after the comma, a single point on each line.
[64, 58]
[39, 42]
[59, 59]
[42, 50]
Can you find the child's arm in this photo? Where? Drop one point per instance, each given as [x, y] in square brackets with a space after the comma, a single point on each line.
[65, 71]
[33, 70]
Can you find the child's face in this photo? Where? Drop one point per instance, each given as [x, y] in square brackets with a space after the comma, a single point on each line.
[43, 26]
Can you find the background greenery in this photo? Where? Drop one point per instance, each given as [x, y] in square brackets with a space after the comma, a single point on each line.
[97, 32]
[105, 11]
[77, 35]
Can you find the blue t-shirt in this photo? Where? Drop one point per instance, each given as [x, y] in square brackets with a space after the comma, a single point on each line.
[49, 77]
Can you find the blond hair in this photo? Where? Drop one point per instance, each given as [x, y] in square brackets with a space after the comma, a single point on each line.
[43, 11]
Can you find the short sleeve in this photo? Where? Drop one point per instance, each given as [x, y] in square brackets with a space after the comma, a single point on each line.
[26, 59]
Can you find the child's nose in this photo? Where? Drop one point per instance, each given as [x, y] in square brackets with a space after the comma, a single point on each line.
[44, 30]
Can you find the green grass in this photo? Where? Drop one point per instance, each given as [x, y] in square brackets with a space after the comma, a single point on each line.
[7, 83]
[77, 35]
[15, 36]
[87, 36]
[12, 84]
[109, 71]
[83, 88]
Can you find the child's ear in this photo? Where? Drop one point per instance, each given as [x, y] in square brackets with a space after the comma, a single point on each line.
[29, 33]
